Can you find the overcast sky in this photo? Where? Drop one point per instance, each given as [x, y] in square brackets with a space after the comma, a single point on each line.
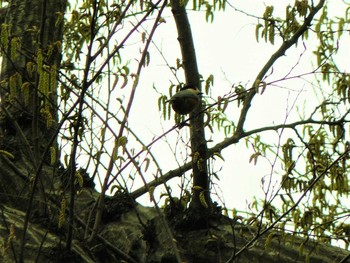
[227, 48]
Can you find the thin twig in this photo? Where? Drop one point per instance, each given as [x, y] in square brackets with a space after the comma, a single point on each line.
[308, 189]
[106, 182]
[279, 53]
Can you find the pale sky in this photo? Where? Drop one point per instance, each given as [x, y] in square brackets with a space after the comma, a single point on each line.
[227, 48]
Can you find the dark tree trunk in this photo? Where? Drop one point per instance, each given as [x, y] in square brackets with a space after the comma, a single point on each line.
[30, 50]
[200, 192]
[28, 111]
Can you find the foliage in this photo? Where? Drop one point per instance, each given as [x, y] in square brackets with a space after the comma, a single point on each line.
[106, 48]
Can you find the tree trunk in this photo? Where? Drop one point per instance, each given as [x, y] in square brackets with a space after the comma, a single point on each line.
[31, 37]
[200, 191]
[30, 57]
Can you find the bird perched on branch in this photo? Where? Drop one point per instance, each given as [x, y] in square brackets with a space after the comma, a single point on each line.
[186, 100]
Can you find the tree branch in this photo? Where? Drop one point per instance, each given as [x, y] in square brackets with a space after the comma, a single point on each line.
[198, 141]
[226, 143]
[279, 53]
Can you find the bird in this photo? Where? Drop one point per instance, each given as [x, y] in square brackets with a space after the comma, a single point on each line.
[186, 100]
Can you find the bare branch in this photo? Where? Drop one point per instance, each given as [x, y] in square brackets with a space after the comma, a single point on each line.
[279, 53]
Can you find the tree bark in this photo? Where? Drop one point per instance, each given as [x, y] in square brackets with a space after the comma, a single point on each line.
[32, 28]
[30, 47]
[201, 183]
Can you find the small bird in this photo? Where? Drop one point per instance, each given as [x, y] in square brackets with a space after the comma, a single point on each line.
[186, 100]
